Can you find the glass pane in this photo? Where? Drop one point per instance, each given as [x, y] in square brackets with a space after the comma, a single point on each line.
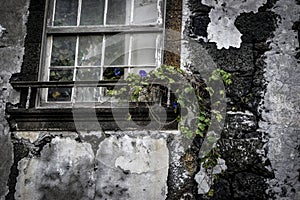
[142, 72]
[61, 75]
[116, 12]
[92, 12]
[63, 51]
[145, 11]
[113, 73]
[90, 49]
[115, 53]
[88, 94]
[59, 94]
[143, 49]
[66, 13]
[88, 74]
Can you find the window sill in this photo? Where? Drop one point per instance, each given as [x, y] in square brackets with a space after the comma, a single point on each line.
[71, 119]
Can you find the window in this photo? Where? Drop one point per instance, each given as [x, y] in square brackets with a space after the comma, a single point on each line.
[75, 42]
[92, 40]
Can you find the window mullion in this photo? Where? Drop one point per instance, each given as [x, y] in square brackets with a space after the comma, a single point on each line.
[103, 55]
[53, 13]
[130, 52]
[105, 12]
[79, 12]
[102, 66]
[131, 12]
[73, 97]
[48, 60]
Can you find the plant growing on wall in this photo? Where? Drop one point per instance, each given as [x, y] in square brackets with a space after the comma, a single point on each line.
[150, 87]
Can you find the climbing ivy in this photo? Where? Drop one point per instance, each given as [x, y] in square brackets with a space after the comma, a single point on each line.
[143, 87]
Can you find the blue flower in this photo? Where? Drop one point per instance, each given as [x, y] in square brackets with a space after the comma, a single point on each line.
[175, 104]
[117, 71]
[143, 73]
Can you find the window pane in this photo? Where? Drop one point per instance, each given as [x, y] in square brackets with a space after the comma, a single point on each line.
[116, 12]
[145, 11]
[143, 49]
[140, 71]
[60, 94]
[90, 50]
[113, 73]
[61, 75]
[88, 94]
[115, 53]
[92, 12]
[66, 13]
[63, 51]
[88, 74]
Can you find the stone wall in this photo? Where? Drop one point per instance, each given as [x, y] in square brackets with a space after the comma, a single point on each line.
[256, 41]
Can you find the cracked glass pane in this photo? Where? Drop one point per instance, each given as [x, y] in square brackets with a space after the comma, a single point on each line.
[63, 51]
[92, 12]
[90, 50]
[66, 13]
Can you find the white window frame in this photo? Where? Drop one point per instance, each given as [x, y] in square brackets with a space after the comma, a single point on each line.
[50, 30]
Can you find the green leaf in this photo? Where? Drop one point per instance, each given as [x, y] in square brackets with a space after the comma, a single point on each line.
[211, 193]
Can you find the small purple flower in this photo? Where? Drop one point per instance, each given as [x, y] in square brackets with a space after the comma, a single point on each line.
[143, 73]
[117, 71]
[175, 104]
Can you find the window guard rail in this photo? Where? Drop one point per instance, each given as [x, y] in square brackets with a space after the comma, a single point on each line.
[70, 84]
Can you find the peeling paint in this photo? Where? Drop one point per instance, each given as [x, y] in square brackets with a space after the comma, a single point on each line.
[139, 165]
[2, 30]
[205, 178]
[142, 157]
[221, 29]
[64, 164]
[281, 103]
[31, 136]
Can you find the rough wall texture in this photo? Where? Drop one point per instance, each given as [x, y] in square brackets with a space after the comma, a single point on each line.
[13, 15]
[280, 117]
[257, 41]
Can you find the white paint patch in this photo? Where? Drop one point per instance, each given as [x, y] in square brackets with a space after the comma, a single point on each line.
[281, 103]
[59, 163]
[137, 164]
[221, 29]
[145, 155]
[205, 178]
[2, 29]
[31, 136]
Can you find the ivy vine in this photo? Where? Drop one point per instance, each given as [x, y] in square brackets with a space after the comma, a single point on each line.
[145, 86]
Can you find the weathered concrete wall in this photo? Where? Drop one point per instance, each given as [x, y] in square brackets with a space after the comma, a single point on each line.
[13, 15]
[254, 40]
[125, 166]
[281, 111]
